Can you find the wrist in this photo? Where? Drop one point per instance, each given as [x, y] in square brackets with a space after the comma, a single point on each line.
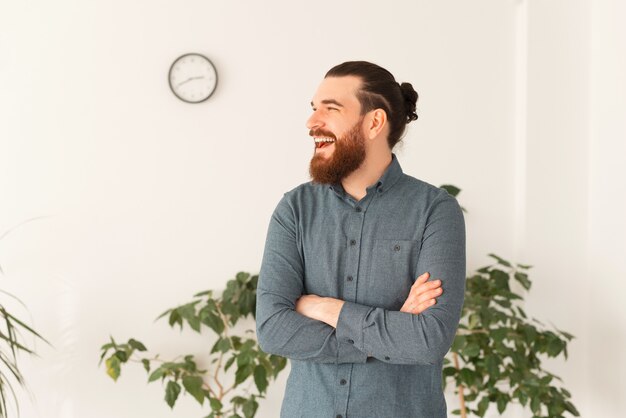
[330, 308]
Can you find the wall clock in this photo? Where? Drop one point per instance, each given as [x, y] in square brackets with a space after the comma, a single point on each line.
[192, 78]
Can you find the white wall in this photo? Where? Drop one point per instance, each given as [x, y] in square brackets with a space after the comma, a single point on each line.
[147, 199]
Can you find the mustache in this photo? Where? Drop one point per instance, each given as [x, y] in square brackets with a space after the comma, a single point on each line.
[321, 132]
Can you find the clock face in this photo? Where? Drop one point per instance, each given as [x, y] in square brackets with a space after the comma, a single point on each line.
[192, 78]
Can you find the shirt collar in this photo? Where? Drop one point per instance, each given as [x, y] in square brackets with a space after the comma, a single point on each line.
[392, 174]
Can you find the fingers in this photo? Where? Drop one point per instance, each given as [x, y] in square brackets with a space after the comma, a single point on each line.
[423, 306]
[415, 309]
[426, 296]
[421, 279]
[423, 294]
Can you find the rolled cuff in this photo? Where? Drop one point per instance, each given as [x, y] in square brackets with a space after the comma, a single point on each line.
[350, 325]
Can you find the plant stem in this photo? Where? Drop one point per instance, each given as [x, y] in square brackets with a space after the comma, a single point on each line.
[460, 387]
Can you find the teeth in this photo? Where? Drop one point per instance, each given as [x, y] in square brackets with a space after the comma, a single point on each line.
[324, 140]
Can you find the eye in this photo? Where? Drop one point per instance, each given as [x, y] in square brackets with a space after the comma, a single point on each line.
[332, 108]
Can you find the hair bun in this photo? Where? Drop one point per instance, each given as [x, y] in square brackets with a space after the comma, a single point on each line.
[410, 101]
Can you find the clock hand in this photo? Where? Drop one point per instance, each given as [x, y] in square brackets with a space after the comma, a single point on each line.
[189, 79]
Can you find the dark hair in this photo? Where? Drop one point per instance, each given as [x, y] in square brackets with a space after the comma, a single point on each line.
[379, 90]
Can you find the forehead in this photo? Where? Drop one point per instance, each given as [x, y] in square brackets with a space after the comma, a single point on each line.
[340, 89]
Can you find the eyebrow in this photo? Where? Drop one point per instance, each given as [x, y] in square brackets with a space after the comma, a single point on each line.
[329, 101]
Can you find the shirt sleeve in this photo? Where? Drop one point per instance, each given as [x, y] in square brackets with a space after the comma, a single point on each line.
[280, 329]
[399, 337]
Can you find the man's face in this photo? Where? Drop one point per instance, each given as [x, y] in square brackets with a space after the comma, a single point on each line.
[336, 127]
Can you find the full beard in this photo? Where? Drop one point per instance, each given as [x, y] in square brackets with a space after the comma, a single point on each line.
[348, 155]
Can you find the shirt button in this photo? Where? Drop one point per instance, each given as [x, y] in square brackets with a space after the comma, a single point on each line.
[351, 341]
[352, 242]
[350, 278]
[387, 358]
[339, 416]
[343, 381]
[396, 248]
[358, 208]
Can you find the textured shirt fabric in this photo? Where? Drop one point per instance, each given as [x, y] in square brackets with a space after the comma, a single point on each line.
[378, 362]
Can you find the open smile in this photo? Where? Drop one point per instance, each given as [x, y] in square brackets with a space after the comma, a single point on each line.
[321, 142]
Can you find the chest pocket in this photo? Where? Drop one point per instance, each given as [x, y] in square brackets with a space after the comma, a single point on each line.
[391, 274]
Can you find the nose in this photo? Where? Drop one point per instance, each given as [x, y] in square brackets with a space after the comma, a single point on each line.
[314, 122]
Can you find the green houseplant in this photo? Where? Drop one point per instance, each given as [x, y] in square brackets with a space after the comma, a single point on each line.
[496, 354]
[13, 335]
[239, 354]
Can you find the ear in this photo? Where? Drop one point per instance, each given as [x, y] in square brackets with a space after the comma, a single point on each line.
[375, 122]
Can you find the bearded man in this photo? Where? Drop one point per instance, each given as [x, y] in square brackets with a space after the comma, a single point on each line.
[363, 272]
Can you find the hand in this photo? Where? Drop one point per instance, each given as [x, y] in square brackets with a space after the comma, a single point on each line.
[422, 295]
[320, 308]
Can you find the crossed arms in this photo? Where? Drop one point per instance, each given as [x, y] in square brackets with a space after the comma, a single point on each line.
[327, 330]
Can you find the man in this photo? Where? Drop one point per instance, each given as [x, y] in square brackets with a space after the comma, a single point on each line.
[343, 289]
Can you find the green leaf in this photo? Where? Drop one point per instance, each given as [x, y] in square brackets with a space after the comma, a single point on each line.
[522, 278]
[471, 350]
[221, 345]
[524, 266]
[208, 293]
[238, 400]
[499, 279]
[242, 277]
[278, 363]
[113, 367]
[458, 343]
[571, 409]
[188, 313]
[216, 405]
[136, 345]
[502, 403]
[449, 371]
[249, 408]
[555, 347]
[452, 190]
[157, 374]
[535, 405]
[500, 260]
[229, 363]
[467, 376]
[260, 378]
[245, 357]
[242, 373]
[121, 355]
[171, 393]
[193, 385]
[498, 334]
[175, 318]
[474, 320]
[482, 406]
[213, 321]
[146, 365]
[491, 361]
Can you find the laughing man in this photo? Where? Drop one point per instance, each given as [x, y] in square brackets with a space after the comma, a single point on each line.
[363, 272]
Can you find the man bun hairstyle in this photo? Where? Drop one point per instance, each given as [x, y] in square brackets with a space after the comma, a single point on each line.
[379, 90]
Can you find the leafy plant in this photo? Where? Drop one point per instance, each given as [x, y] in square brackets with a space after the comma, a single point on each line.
[12, 341]
[496, 354]
[241, 353]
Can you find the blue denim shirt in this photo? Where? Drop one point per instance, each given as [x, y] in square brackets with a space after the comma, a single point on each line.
[378, 362]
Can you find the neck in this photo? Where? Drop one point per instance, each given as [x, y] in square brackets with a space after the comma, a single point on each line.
[367, 174]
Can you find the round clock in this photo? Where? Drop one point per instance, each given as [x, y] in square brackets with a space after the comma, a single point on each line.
[192, 78]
